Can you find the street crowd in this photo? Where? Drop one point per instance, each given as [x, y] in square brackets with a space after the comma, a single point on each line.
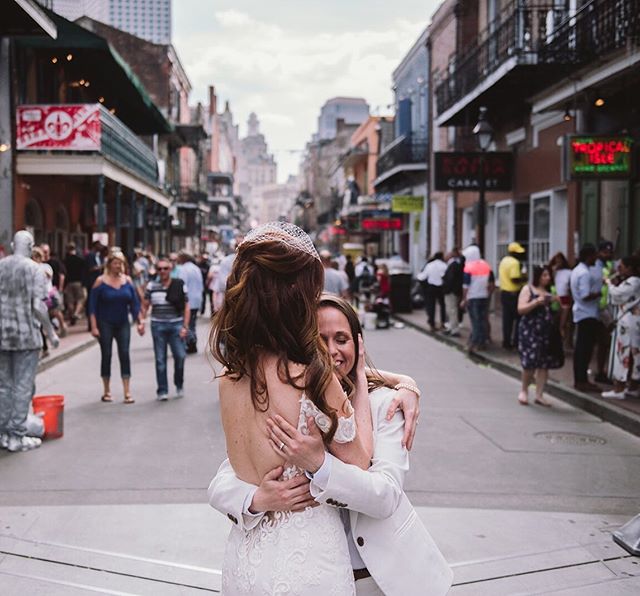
[593, 306]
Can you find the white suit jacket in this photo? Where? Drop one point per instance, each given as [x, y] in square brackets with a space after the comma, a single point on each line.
[397, 549]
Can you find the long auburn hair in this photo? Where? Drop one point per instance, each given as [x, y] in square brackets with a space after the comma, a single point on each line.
[270, 306]
[374, 378]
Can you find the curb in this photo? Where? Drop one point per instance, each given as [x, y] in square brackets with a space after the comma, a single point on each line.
[61, 357]
[624, 419]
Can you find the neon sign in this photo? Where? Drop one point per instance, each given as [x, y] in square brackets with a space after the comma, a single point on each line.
[390, 223]
[600, 156]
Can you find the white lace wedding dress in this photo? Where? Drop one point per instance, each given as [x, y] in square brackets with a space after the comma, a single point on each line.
[298, 554]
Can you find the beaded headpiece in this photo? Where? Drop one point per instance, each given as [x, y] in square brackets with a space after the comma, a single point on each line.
[286, 233]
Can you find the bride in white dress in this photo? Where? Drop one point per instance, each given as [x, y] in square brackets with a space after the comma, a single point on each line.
[266, 336]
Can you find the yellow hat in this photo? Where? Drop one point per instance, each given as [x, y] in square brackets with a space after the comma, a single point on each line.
[516, 247]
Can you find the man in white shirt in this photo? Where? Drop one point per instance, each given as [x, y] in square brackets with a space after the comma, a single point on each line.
[586, 292]
[334, 282]
[431, 276]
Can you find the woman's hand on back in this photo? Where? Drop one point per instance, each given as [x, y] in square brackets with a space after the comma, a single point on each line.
[409, 403]
[282, 495]
[304, 451]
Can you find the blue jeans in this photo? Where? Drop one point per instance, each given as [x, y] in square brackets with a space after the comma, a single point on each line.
[478, 311]
[163, 334]
[17, 379]
[122, 335]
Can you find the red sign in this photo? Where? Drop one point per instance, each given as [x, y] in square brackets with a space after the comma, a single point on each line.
[600, 156]
[70, 127]
[390, 223]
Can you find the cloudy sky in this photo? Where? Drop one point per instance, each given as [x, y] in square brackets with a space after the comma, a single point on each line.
[284, 58]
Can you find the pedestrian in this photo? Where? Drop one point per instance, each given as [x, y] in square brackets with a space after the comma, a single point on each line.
[175, 266]
[204, 263]
[512, 280]
[377, 506]
[364, 279]
[431, 277]
[169, 303]
[478, 283]
[75, 293]
[22, 315]
[212, 285]
[561, 272]
[334, 282]
[350, 270]
[602, 270]
[113, 298]
[539, 340]
[59, 272]
[452, 290]
[625, 344]
[94, 259]
[586, 292]
[191, 275]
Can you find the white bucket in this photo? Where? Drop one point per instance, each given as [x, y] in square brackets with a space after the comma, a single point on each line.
[370, 319]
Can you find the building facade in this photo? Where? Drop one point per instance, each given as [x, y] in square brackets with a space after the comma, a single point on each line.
[351, 110]
[150, 19]
[558, 82]
[74, 9]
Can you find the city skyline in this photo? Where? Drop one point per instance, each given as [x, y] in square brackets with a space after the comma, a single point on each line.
[285, 65]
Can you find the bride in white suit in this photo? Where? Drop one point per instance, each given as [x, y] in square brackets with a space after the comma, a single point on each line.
[391, 551]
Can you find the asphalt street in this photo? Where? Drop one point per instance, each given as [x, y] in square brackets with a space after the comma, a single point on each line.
[521, 500]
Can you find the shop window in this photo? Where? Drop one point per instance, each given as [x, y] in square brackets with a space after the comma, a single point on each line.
[540, 230]
[504, 233]
[33, 221]
[589, 212]
[614, 214]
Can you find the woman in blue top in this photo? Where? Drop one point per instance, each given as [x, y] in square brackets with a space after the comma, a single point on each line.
[112, 299]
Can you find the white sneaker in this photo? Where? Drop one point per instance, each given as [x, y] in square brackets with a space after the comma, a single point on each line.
[162, 397]
[23, 443]
[613, 394]
[179, 393]
[4, 440]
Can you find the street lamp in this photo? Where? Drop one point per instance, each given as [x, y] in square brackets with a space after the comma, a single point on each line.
[484, 135]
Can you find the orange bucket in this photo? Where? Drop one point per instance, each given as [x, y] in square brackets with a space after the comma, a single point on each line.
[52, 406]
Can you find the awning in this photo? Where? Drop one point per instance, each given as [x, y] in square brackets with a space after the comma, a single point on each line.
[25, 17]
[110, 75]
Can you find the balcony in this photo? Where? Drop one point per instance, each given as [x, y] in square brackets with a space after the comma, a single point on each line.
[66, 138]
[403, 157]
[121, 145]
[528, 48]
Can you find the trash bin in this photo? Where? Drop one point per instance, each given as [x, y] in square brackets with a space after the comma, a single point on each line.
[401, 292]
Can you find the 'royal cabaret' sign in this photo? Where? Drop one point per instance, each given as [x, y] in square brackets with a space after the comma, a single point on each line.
[472, 170]
[598, 156]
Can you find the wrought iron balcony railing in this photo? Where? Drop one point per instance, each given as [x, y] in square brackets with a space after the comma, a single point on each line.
[404, 150]
[537, 35]
[121, 145]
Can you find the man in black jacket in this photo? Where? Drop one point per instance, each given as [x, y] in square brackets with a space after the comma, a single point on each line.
[452, 288]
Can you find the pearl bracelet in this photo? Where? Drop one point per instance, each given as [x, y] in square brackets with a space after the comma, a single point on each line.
[408, 387]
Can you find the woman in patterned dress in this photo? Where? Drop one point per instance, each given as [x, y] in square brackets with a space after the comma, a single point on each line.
[539, 341]
[626, 344]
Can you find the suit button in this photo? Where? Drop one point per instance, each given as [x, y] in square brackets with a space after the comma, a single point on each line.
[330, 501]
[232, 518]
[360, 541]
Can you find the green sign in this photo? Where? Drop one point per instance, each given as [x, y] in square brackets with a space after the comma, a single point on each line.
[600, 156]
[407, 204]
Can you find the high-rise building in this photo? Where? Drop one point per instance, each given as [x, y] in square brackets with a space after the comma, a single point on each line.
[351, 110]
[74, 9]
[149, 19]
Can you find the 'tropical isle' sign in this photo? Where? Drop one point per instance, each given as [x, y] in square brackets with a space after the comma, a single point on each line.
[599, 156]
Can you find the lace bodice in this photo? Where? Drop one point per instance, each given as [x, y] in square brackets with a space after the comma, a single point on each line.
[294, 553]
[345, 433]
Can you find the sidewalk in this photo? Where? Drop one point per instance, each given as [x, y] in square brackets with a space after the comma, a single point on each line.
[76, 340]
[622, 413]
